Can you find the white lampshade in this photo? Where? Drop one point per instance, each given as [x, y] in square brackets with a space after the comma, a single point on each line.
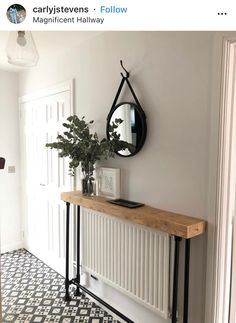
[21, 49]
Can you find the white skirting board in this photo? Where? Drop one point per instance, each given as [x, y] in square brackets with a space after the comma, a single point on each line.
[12, 246]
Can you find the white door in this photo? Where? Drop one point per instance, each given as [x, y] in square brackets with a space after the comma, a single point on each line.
[45, 175]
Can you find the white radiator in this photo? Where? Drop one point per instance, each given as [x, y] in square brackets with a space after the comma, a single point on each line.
[132, 258]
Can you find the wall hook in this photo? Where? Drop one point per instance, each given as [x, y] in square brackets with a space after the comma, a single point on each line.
[127, 73]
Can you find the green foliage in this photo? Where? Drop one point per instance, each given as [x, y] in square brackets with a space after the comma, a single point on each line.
[84, 148]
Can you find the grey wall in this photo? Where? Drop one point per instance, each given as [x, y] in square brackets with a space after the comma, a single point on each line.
[171, 75]
[11, 236]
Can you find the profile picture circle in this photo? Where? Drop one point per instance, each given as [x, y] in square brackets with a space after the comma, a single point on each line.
[16, 13]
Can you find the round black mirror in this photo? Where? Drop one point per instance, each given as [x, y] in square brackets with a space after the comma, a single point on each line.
[133, 129]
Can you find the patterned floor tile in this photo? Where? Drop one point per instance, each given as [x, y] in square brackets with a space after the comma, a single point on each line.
[33, 293]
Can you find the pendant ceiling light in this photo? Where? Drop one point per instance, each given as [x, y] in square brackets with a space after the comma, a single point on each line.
[21, 49]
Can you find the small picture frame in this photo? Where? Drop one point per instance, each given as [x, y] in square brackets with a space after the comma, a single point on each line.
[108, 182]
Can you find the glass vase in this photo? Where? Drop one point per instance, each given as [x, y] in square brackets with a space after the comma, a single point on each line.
[88, 180]
[88, 186]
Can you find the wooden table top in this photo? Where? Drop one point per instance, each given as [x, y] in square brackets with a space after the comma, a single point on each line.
[173, 223]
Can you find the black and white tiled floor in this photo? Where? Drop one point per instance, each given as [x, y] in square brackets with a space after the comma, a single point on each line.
[33, 293]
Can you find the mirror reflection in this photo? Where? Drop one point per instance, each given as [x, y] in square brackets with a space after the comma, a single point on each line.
[133, 127]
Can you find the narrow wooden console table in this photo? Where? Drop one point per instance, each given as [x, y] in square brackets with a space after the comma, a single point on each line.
[177, 225]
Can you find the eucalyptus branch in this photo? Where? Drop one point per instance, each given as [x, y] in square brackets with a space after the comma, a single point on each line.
[84, 148]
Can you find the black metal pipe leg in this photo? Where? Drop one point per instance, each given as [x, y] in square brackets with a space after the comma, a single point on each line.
[186, 280]
[175, 281]
[99, 300]
[77, 292]
[67, 281]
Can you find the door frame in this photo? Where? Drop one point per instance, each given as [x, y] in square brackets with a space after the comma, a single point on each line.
[221, 186]
[54, 89]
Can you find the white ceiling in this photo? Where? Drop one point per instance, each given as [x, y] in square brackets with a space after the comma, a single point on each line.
[48, 43]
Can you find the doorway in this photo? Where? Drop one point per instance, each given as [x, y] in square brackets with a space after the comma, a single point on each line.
[223, 301]
[44, 174]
